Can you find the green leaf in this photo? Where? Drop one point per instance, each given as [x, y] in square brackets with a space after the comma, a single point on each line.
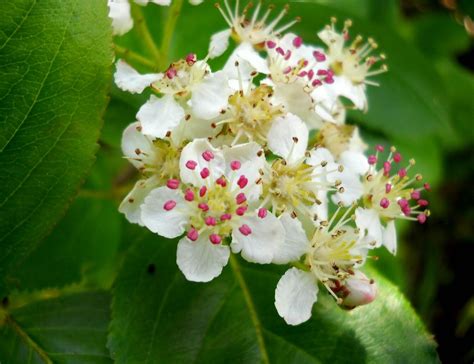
[82, 246]
[55, 61]
[157, 316]
[67, 329]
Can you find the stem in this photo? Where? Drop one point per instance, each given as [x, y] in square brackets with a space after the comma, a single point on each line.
[142, 29]
[168, 30]
[250, 305]
[133, 57]
[28, 340]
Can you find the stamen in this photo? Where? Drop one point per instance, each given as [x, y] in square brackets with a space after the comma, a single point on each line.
[210, 221]
[172, 184]
[215, 239]
[191, 164]
[235, 165]
[192, 234]
[204, 173]
[189, 195]
[240, 198]
[245, 230]
[207, 155]
[169, 205]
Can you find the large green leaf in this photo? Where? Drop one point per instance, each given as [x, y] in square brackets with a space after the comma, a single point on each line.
[157, 316]
[67, 329]
[55, 61]
[83, 246]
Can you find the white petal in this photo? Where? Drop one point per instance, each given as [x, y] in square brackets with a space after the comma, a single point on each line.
[119, 12]
[390, 237]
[295, 295]
[131, 204]
[332, 39]
[353, 188]
[321, 211]
[248, 61]
[342, 86]
[128, 79]
[295, 243]
[193, 152]
[137, 147]
[210, 96]
[297, 101]
[250, 162]
[200, 260]
[288, 138]
[259, 246]
[368, 220]
[196, 2]
[219, 43]
[158, 116]
[169, 224]
[319, 155]
[354, 161]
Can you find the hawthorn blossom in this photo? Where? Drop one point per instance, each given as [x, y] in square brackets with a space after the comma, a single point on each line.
[212, 201]
[186, 82]
[332, 256]
[298, 181]
[388, 196]
[156, 159]
[350, 64]
[254, 31]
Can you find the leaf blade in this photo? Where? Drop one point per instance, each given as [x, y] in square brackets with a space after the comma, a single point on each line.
[55, 68]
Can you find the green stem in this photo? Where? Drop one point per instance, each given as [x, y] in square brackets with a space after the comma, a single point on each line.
[168, 30]
[133, 57]
[142, 29]
[251, 307]
[300, 266]
[28, 340]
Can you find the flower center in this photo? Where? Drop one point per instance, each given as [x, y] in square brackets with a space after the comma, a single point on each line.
[181, 76]
[290, 186]
[353, 61]
[392, 194]
[253, 30]
[167, 162]
[250, 115]
[215, 207]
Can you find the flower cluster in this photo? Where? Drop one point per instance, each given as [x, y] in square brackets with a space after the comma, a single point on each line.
[256, 159]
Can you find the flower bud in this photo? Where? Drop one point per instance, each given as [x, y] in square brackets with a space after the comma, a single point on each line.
[360, 290]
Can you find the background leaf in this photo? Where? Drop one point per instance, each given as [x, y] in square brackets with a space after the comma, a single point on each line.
[55, 58]
[158, 316]
[66, 329]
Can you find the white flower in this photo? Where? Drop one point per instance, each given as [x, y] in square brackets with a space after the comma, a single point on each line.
[214, 201]
[128, 79]
[157, 160]
[191, 81]
[295, 71]
[331, 257]
[299, 179]
[350, 64]
[119, 12]
[388, 196]
[249, 115]
[254, 31]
